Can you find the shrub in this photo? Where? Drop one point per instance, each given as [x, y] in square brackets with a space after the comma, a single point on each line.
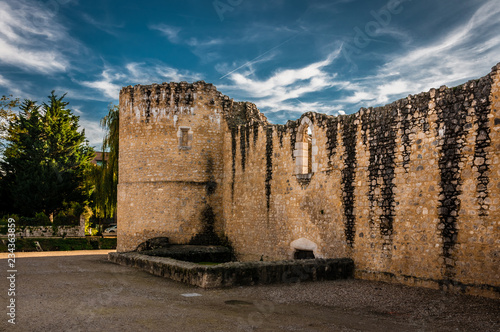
[42, 219]
[66, 219]
[5, 219]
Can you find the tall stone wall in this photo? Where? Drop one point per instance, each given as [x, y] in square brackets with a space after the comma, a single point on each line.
[410, 190]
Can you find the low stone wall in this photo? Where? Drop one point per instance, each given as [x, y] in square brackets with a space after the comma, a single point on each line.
[238, 273]
[48, 231]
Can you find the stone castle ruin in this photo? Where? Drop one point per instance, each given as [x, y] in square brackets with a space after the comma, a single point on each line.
[410, 191]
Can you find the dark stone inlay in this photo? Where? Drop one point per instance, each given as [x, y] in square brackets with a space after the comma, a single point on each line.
[349, 130]
[331, 136]
[293, 126]
[406, 128]
[281, 131]
[482, 145]
[148, 105]
[452, 119]
[256, 126]
[381, 133]
[243, 146]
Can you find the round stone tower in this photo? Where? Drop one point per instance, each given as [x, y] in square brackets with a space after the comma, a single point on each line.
[170, 162]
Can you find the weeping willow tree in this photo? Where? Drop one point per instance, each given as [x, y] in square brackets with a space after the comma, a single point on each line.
[106, 176]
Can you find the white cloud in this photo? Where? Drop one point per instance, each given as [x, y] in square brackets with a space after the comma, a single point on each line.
[465, 52]
[357, 97]
[14, 88]
[93, 131]
[283, 89]
[30, 37]
[147, 73]
[172, 33]
[395, 32]
[42, 61]
[82, 94]
[206, 43]
[111, 80]
[105, 84]
[228, 70]
[4, 82]
[450, 58]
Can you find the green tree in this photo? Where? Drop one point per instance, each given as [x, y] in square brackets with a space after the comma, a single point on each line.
[46, 160]
[106, 177]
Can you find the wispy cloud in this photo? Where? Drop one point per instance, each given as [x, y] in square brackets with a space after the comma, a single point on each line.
[4, 82]
[109, 28]
[31, 38]
[14, 88]
[105, 84]
[394, 32]
[281, 91]
[147, 73]
[205, 43]
[111, 80]
[463, 53]
[82, 94]
[206, 49]
[259, 58]
[171, 32]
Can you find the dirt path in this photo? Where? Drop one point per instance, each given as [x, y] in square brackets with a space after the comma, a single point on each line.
[87, 293]
[4, 255]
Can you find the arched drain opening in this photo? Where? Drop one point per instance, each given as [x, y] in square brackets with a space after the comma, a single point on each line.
[303, 254]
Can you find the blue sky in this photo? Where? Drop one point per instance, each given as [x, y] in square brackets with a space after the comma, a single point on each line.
[288, 57]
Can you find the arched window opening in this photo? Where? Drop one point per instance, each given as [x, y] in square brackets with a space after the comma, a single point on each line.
[304, 249]
[309, 149]
[304, 151]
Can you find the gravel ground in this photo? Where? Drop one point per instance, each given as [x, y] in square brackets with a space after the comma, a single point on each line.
[85, 292]
[425, 309]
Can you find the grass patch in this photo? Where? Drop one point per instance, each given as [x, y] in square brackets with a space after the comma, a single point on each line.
[59, 244]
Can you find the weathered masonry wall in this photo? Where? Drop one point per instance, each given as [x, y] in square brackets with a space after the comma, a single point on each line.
[410, 190]
[171, 161]
[167, 181]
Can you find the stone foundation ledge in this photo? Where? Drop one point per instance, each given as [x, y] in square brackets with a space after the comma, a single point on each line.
[238, 273]
[450, 286]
